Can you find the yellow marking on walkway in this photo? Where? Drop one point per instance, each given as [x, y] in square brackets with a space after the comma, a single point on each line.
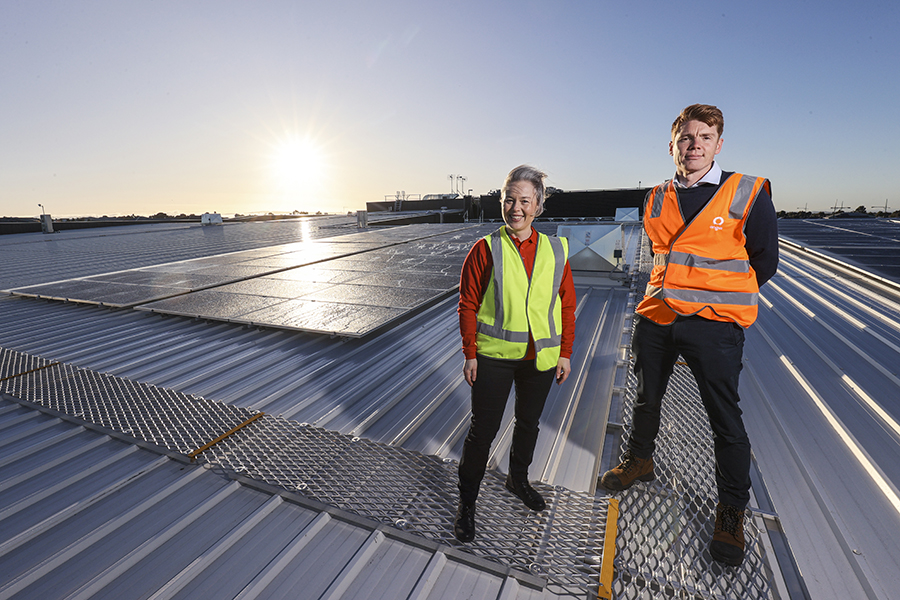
[609, 550]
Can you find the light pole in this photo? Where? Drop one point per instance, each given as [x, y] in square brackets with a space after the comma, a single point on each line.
[836, 207]
[885, 207]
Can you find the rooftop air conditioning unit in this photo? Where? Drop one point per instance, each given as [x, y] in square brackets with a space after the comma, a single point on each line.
[211, 219]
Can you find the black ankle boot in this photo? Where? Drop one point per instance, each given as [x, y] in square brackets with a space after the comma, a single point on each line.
[526, 493]
[464, 526]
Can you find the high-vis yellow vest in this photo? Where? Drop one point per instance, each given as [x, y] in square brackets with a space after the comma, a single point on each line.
[515, 305]
[702, 268]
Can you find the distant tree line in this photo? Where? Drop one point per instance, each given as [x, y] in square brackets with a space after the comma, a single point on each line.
[859, 213]
[161, 216]
[157, 217]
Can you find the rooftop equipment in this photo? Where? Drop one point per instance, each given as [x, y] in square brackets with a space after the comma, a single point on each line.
[593, 247]
[211, 219]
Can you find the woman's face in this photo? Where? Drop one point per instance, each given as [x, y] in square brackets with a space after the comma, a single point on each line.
[519, 206]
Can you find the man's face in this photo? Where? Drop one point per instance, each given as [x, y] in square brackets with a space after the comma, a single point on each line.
[519, 206]
[694, 147]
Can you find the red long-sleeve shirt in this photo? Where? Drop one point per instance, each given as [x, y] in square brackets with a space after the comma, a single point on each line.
[473, 283]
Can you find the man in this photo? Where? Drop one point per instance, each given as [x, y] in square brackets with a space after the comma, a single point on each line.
[715, 242]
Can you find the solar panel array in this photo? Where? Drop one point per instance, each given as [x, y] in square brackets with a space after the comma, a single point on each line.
[351, 295]
[131, 287]
[873, 244]
[349, 285]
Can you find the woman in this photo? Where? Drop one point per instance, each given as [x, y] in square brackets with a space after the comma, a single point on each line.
[517, 320]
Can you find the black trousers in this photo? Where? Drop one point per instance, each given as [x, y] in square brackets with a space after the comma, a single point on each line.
[489, 394]
[713, 351]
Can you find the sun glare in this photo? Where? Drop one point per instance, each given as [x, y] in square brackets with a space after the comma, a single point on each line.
[298, 166]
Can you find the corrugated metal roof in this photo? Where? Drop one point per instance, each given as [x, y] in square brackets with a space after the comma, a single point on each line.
[820, 401]
[821, 442]
[872, 243]
[86, 515]
[404, 387]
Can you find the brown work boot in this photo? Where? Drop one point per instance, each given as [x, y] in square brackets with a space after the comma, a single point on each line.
[631, 469]
[727, 545]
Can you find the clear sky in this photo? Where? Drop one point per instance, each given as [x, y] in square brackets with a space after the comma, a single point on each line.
[111, 107]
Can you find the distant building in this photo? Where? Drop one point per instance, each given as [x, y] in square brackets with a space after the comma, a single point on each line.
[583, 203]
[559, 203]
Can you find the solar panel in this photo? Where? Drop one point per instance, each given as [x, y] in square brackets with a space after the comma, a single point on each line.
[125, 295]
[350, 295]
[317, 273]
[348, 285]
[403, 280]
[276, 288]
[325, 317]
[213, 304]
[171, 279]
[142, 278]
[106, 293]
[873, 244]
[372, 295]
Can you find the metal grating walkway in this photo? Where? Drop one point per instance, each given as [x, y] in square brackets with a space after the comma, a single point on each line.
[175, 421]
[411, 491]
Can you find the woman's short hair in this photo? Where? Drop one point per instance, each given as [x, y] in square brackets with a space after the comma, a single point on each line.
[532, 175]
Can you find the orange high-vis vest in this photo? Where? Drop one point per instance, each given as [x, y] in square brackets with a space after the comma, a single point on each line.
[702, 268]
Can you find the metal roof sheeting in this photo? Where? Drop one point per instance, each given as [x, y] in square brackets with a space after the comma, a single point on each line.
[821, 446]
[820, 400]
[86, 515]
[872, 243]
[403, 387]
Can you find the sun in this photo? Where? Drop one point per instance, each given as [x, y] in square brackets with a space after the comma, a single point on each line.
[298, 166]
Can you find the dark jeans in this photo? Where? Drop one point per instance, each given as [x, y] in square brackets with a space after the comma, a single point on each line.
[489, 394]
[713, 351]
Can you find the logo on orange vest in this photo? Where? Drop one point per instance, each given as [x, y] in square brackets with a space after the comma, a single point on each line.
[717, 224]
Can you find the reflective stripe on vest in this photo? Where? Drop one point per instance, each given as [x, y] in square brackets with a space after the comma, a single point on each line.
[702, 267]
[516, 306]
[703, 262]
[700, 296]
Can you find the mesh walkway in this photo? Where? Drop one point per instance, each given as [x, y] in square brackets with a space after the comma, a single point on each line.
[414, 492]
[175, 421]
